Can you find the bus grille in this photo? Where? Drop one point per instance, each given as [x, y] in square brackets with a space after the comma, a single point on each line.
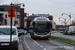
[42, 33]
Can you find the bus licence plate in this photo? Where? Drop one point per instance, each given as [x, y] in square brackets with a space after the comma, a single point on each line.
[42, 36]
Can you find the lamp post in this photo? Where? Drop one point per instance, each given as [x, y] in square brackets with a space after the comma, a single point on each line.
[68, 16]
[73, 16]
[63, 21]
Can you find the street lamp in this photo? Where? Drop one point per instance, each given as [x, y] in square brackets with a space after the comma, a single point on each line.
[68, 16]
[61, 17]
[64, 20]
[21, 4]
[73, 16]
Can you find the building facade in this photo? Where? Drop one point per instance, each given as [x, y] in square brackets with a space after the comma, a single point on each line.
[5, 20]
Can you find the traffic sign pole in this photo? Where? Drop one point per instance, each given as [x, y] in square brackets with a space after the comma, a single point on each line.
[11, 28]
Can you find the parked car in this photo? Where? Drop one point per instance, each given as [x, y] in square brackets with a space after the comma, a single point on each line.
[71, 30]
[5, 37]
[62, 30]
[22, 31]
[65, 32]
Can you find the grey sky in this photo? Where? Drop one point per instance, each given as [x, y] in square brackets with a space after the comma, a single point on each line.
[52, 7]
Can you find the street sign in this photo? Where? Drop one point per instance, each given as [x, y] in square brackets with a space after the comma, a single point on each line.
[9, 12]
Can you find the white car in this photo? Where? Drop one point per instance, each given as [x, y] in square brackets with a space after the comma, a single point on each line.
[22, 31]
[5, 37]
[71, 30]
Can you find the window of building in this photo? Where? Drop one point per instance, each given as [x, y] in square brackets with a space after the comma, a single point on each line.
[25, 14]
[16, 22]
[6, 16]
[18, 16]
[1, 16]
[1, 9]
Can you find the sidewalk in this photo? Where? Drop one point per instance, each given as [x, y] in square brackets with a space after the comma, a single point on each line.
[20, 47]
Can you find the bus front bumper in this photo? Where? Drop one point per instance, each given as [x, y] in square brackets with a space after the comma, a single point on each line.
[41, 36]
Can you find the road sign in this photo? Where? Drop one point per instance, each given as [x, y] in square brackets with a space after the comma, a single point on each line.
[9, 12]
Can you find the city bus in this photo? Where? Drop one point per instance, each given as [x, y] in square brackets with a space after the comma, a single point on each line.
[40, 27]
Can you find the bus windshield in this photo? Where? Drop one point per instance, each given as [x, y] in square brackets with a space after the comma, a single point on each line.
[42, 27]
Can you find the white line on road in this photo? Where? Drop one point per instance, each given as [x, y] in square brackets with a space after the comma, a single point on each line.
[44, 48]
[26, 44]
[39, 44]
[29, 35]
[29, 49]
[35, 41]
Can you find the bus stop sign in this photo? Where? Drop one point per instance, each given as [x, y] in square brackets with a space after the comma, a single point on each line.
[9, 12]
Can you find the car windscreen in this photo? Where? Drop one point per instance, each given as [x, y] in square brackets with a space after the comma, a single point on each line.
[6, 31]
[22, 30]
[62, 30]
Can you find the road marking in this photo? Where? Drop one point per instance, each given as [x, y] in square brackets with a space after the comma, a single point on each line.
[29, 36]
[35, 42]
[26, 44]
[29, 49]
[44, 48]
[69, 47]
[39, 44]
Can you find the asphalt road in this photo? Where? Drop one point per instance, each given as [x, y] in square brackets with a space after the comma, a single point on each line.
[64, 36]
[43, 44]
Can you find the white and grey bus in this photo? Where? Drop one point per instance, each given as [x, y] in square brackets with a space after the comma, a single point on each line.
[40, 27]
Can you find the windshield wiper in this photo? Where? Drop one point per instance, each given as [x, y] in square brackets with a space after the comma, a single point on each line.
[3, 32]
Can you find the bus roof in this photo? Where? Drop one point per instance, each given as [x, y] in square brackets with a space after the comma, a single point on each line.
[41, 19]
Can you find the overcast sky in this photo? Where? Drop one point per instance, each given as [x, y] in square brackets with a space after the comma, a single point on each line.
[52, 7]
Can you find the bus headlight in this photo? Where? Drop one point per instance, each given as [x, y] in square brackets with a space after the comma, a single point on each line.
[35, 34]
[49, 33]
